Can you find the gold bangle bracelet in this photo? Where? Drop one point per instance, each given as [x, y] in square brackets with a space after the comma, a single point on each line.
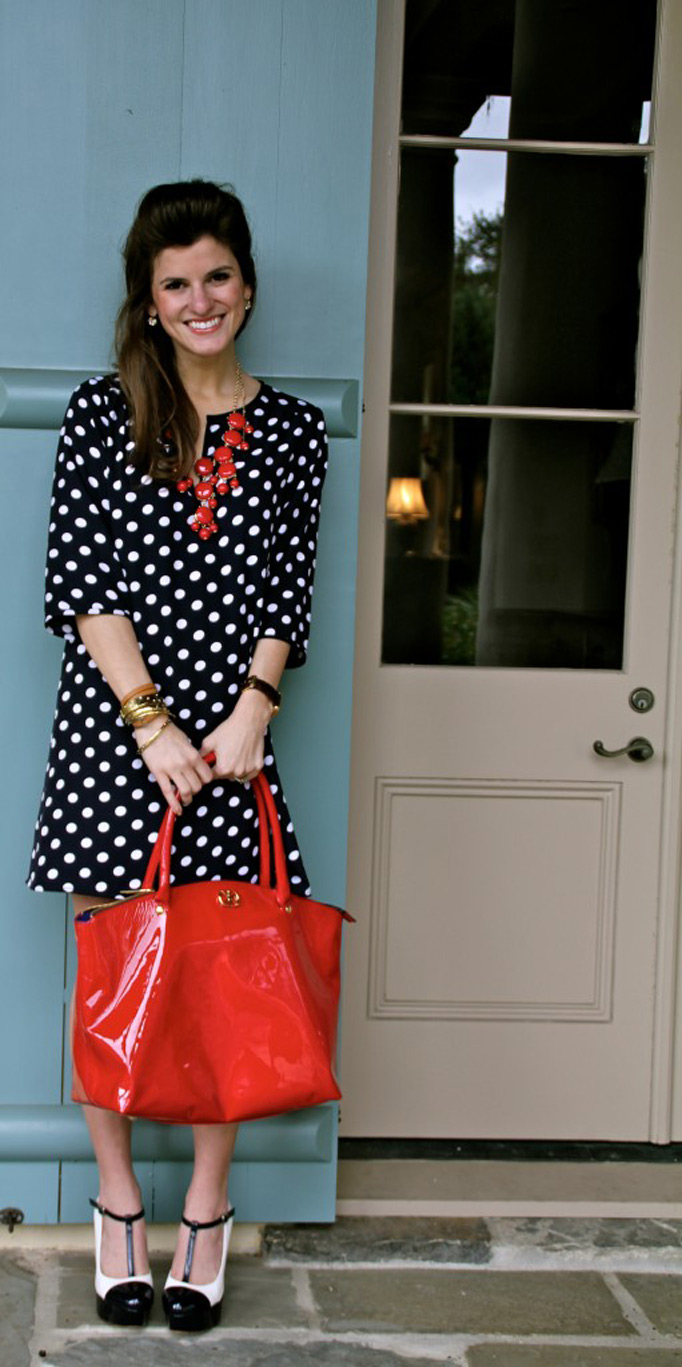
[135, 711]
[145, 714]
[145, 744]
[149, 700]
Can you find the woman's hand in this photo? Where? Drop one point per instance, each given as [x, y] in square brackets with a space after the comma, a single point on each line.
[238, 742]
[177, 767]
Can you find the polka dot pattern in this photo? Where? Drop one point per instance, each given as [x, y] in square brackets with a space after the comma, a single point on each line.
[120, 542]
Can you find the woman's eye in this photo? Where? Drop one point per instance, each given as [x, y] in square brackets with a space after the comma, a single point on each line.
[220, 275]
[173, 284]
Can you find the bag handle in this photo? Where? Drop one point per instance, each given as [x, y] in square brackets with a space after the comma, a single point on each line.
[268, 820]
[264, 845]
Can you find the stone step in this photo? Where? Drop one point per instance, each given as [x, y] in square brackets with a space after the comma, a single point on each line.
[514, 1243]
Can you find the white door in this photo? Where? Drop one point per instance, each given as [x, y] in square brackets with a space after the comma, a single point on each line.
[512, 971]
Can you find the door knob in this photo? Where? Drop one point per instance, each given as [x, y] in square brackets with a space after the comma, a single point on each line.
[638, 749]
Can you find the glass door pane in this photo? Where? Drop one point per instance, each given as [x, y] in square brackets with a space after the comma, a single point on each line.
[579, 73]
[517, 278]
[516, 554]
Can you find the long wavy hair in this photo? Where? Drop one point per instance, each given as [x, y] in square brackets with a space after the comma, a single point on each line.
[164, 421]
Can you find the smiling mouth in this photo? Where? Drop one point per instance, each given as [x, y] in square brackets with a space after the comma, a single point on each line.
[206, 325]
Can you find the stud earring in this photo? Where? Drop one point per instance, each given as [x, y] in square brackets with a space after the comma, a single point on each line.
[247, 305]
[152, 320]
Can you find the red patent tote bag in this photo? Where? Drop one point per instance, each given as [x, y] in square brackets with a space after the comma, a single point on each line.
[209, 1002]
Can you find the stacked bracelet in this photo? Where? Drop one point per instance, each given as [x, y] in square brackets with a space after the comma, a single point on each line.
[142, 705]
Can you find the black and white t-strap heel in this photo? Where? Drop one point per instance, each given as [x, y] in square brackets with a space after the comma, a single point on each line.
[189, 1307]
[121, 1300]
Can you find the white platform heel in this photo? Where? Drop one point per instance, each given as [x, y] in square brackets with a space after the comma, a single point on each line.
[189, 1307]
[121, 1300]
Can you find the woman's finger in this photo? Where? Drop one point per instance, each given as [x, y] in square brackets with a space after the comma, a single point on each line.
[193, 779]
[184, 788]
[170, 794]
[204, 770]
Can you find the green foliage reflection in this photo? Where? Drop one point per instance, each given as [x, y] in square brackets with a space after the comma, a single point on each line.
[475, 281]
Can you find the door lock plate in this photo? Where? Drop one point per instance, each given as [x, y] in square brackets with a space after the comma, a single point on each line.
[641, 699]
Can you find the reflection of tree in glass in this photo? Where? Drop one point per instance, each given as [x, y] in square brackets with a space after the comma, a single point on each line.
[476, 276]
[460, 619]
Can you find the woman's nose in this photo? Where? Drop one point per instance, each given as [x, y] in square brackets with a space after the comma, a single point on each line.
[201, 299]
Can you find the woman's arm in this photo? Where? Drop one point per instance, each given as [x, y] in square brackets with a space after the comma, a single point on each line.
[176, 765]
[239, 740]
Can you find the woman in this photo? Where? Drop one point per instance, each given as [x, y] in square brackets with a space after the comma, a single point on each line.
[180, 565]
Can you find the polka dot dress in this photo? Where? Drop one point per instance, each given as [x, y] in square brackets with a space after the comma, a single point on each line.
[120, 542]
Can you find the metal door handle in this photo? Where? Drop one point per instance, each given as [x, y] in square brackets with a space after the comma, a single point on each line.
[638, 749]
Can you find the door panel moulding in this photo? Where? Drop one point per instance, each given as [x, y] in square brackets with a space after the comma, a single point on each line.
[402, 836]
[38, 398]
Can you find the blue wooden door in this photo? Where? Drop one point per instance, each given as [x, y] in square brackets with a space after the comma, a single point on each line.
[98, 101]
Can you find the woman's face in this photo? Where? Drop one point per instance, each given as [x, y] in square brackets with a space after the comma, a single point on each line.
[199, 295]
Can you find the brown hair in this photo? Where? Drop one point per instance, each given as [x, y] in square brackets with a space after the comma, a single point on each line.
[165, 424]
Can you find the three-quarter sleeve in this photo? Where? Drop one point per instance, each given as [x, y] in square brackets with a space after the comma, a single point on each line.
[291, 567]
[84, 573]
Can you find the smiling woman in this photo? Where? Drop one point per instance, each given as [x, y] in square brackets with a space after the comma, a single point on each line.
[180, 568]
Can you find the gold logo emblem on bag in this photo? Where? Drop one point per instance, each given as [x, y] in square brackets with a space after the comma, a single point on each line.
[228, 898]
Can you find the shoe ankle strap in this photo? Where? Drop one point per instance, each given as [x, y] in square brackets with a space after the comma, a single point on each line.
[128, 1221]
[194, 1226]
[125, 1219]
[209, 1224]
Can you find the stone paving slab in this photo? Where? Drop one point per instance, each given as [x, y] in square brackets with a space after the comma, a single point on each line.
[469, 1302]
[569, 1234]
[17, 1302]
[370, 1239]
[537, 1355]
[256, 1296]
[477, 1241]
[660, 1297]
[140, 1352]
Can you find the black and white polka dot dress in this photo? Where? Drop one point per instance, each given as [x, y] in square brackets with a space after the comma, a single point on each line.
[120, 542]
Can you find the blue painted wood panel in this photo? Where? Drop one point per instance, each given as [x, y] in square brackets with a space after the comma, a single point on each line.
[274, 96]
[91, 113]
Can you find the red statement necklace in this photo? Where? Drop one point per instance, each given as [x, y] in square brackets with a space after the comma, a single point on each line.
[217, 473]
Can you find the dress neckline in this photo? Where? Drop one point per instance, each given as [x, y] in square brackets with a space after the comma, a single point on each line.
[243, 408]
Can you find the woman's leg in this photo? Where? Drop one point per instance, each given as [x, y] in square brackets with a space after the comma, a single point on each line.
[206, 1199]
[118, 1188]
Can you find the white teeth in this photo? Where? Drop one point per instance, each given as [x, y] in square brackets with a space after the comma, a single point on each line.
[204, 327]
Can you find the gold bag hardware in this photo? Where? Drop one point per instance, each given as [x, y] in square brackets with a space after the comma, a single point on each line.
[228, 898]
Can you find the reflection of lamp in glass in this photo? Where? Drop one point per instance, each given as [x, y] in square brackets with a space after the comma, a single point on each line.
[405, 502]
